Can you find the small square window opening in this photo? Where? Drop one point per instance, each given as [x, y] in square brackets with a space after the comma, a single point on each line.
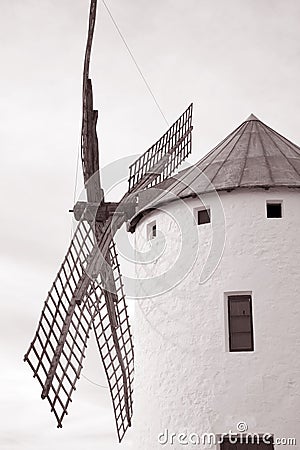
[274, 210]
[203, 216]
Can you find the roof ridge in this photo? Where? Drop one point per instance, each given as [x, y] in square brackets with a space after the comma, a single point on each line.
[284, 139]
[283, 154]
[229, 138]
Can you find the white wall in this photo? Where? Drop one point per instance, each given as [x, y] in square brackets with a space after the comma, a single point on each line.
[186, 379]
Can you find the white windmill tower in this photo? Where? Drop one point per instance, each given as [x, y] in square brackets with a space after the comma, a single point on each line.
[217, 336]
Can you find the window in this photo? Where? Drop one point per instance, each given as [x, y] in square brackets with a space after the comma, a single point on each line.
[151, 230]
[203, 216]
[240, 323]
[274, 209]
[251, 442]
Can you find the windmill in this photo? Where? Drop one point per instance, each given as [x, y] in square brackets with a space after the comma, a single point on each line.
[87, 293]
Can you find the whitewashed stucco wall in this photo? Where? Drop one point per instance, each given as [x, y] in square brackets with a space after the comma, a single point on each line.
[186, 380]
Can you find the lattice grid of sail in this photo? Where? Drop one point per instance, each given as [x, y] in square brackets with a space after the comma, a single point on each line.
[57, 351]
[115, 345]
[166, 154]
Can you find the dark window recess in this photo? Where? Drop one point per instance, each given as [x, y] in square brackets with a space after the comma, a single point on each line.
[152, 231]
[203, 216]
[274, 210]
[240, 323]
[253, 442]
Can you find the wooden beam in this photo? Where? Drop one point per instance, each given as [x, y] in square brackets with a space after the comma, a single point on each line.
[93, 212]
[89, 140]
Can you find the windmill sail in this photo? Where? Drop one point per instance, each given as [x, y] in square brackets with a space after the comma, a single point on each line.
[163, 158]
[57, 351]
[115, 345]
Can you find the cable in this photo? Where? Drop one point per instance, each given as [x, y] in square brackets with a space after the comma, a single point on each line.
[92, 382]
[134, 61]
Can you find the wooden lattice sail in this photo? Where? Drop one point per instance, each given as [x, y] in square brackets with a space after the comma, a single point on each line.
[57, 351]
[163, 158]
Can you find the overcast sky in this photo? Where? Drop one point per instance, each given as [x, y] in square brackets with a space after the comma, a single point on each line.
[230, 57]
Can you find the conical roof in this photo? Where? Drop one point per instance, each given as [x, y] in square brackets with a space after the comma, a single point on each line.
[253, 155]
